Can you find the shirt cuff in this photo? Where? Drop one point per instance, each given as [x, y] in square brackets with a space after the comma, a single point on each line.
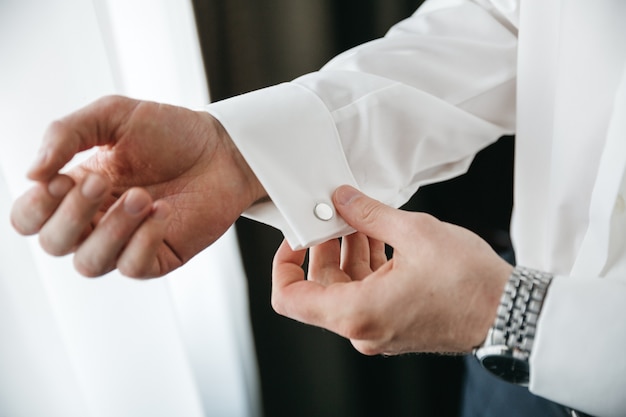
[289, 139]
[577, 357]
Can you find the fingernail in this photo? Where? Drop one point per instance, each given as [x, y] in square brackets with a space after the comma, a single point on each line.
[60, 186]
[135, 202]
[345, 194]
[93, 187]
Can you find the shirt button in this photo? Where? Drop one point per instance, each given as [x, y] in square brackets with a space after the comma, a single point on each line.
[323, 211]
[620, 204]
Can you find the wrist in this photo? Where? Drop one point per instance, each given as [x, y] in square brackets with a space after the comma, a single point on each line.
[492, 294]
[248, 185]
[509, 342]
[255, 190]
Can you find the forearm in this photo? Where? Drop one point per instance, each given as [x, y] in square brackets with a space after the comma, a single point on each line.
[385, 128]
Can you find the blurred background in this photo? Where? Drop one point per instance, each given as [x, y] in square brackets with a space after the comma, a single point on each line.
[203, 341]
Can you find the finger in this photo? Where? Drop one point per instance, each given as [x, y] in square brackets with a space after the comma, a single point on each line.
[287, 273]
[34, 208]
[140, 258]
[355, 256]
[288, 264]
[370, 216]
[93, 125]
[324, 263]
[309, 301]
[65, 228]
[98, 253]
[378, 255]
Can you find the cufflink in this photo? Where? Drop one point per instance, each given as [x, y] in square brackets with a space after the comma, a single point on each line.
[323, 211]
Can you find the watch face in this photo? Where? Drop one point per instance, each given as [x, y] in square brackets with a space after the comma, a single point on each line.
[508, 368]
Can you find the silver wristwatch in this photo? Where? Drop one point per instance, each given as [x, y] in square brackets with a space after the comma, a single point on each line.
[509, 342]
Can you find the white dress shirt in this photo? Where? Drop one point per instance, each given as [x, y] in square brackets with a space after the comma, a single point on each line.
[415, 107]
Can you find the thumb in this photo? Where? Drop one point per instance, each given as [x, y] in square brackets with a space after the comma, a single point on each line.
[94, 125]
[369, 216]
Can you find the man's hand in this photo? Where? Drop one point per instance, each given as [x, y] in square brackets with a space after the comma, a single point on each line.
[165, 183]
[439, 292]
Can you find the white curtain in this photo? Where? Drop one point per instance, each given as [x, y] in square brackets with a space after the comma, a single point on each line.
[71, 346]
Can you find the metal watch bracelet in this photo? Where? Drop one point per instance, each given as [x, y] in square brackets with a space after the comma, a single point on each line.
[519, 310]
[512, 335]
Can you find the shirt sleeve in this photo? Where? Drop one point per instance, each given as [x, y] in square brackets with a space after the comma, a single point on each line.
[411, 108]
[577, 356]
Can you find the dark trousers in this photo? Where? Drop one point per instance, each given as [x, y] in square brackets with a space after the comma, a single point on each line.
[484, 395]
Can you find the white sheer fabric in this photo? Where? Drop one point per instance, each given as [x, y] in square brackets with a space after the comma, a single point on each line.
[71, 346]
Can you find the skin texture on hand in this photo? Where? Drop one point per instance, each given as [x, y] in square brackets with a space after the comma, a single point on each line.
[438, 293]
[164, 184]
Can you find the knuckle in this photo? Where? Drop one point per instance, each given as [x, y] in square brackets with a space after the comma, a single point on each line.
[111, 100]
[136, 270]
[117, 234]
[19, 225]
[277, 303]
[53, 246]
[367, 333]
[86, 268]
[130, 270]
[57, 128]
[22, 217]
[115, 105]
[424, 221]
[371, 212]
[360, 327]
[367, 348]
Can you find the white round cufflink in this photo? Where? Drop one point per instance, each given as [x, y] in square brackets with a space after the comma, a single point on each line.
[324, 211]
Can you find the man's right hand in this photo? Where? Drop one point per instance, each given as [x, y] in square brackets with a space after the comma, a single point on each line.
[164, 184]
